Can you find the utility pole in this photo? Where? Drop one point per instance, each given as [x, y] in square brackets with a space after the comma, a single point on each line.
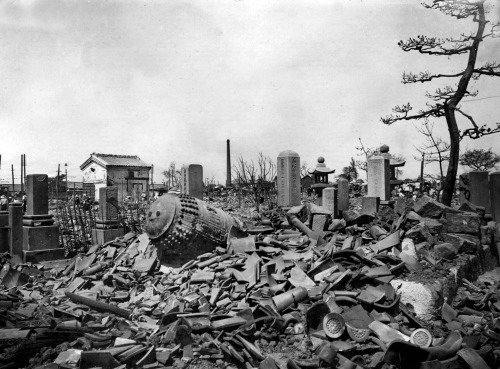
[422, 174]
[22, 171]
[12, 166]
[66, 175]
[57, 182]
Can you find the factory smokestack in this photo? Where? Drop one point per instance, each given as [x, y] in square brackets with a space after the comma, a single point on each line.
[228, 178]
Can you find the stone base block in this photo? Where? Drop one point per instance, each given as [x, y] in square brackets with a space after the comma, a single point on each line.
[40, 238]
[101, 236]
[43, 255]
[427, 298]
[4, 218]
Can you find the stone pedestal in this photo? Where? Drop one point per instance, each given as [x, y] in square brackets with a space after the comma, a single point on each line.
[495, 195]
[192, 180]
[288, 174]
[40, 238]
[343, 194]
[4, 231]
[379, 178]
[474, 187]
[370, 205]
[4, 218]
[101, 236]
[330, 200]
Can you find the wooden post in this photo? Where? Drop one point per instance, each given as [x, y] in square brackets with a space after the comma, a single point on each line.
[422, 174]
[12, 166]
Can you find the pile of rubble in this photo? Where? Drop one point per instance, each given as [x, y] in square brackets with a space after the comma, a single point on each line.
[296, 291]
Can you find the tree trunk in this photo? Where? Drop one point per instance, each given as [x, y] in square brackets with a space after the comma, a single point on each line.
[452, 103]
[451, 174]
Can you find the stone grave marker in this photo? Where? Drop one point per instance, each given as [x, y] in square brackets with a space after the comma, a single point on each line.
[192, 180]
[474, 187]
[495, 195]
[108, 203]
[330, 199]
[288, 171]
[343, 194]
[379, 178]
[37, 194]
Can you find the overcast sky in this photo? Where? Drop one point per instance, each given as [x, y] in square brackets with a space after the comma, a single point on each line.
[173, 80]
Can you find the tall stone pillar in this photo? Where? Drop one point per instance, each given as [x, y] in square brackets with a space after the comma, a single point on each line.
[192, 180]
[16, 228]
[495, 195]
[288, 170]
[379, 178]
[107, 224]
[343, 194]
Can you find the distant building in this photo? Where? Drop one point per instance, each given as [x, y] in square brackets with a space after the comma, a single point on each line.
[127, 172]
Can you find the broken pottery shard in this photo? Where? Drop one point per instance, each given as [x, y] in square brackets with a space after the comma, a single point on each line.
[388, 242]
[385, 333]
[298, 278]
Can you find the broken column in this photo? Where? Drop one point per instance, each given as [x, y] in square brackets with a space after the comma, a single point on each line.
[379, 177]
[474, 187]
[40, 235]
[183, 227]
[107, 223]
[192, 180]
[288, 173]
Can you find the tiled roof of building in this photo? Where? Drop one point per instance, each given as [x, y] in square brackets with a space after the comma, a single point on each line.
[108, 160]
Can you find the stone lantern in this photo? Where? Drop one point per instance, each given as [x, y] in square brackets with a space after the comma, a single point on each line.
[393, 163]
[320, 175]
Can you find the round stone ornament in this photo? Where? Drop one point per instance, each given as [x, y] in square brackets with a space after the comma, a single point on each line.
[333, 325]
[357, 334]
[421, 337]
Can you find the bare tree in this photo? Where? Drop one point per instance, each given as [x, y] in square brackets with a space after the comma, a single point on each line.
[366, 152]
[257, 178]
[304, 169]
[434, 149]
[172, 175]
[445, 101]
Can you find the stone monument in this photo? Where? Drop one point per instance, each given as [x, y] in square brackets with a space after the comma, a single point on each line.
[379, 177]
[107, 223]
[343, 194]
[192, 180]
[288, 176]
[40, 235]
